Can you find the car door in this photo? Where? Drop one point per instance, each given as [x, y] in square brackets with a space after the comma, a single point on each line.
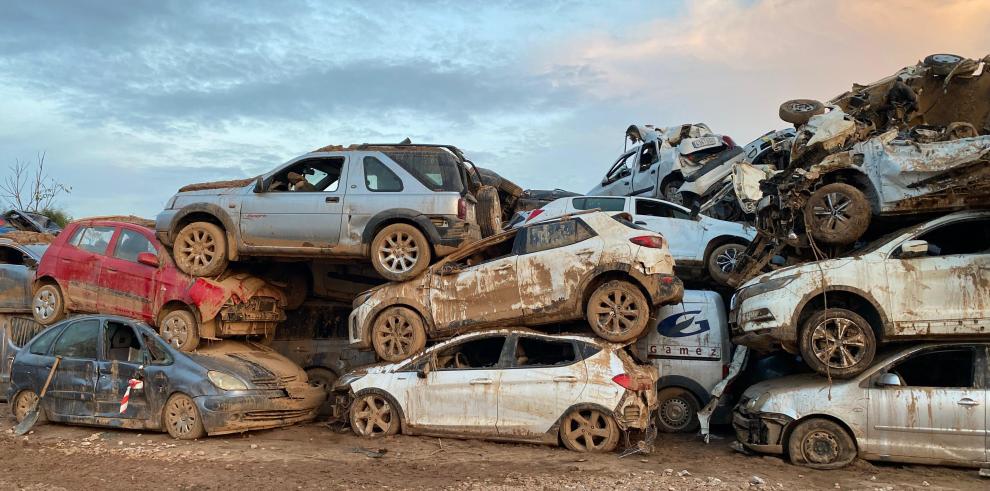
[16, 275]
[544, 377]
[127, 287]
[297, 220]
[73, 389]
[645, 179]
[684, 234]
[944, 292]
[618, 179]
[937, 412]
[555, 257]
[121, 358]
[79, 264]
[460, 393]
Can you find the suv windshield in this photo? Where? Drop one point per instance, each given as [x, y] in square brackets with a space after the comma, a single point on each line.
[437, 169]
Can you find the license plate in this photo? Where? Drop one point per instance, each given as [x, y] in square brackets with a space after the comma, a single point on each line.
[705, 141]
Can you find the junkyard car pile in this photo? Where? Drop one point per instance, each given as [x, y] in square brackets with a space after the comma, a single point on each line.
[546, 316]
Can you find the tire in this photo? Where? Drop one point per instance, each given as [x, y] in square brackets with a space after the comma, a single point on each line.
[297, 288]
[669, 190]
[589, 430]
[856, 350]
[722, 260]
[837, 214]
[820, 443]
[489, 211]
[48, 305]
[181, 418]
[179, 328]
[603, 308]
[942, 64]
[324, 379]
[200, 249]
[677, 411]
[799, 111]
[400, 252]
[374, 415]
[397, 334]
[23, 402]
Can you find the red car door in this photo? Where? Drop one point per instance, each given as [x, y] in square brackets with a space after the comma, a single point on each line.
[127, 287]
[80, 261]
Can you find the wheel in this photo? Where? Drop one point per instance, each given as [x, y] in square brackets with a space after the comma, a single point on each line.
[374, 415]
[821, 444]
[200, 249]
[48, 305]
[397, 334]
[837, 343]
[722, 260]
[799, 111]
[678, 411]
[23, 402]
[837, 214]
[179, 328]
[943, 63]
[489, 211]
[324, 379]
[181, 418]
[400, 252]
[959, 129]
[618, 311]
[589, 430]
[669, 190]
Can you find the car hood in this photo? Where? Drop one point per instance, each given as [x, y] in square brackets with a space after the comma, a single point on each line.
[806, 268]
[216, 187]
[251, 362]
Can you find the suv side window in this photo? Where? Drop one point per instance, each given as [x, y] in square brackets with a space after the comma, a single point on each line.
[437, 169]
[93, 239]
[379, 178]
[954, 367]
[964, 237]
[653, 208]
[130, 243]
[79, 340]
[604, 204]
[552, 235]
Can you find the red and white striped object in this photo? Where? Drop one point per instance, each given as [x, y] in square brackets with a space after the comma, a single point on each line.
[131, 384]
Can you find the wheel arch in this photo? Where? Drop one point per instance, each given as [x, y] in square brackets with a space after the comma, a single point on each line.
[684, 383]
[400, 215]
[608, 273]
[847, 297]
[577, 406]
[403, 424]
[173, 305]
[855, 178]
[205, 212]
[397, 302]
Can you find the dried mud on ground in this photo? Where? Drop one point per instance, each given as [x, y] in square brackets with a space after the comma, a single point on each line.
[314, 457]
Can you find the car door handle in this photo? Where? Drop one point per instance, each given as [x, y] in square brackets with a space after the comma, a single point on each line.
[502, 267]
[967, 402]
[565, 378]
[481, 381]
[333, 199]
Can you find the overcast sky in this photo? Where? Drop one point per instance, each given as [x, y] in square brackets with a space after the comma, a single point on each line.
[130, 100]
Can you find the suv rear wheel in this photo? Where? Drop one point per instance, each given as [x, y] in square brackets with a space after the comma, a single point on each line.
[400, 252]
[200, 249]
[618, 311]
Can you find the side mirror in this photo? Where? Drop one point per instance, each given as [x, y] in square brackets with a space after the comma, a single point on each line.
[148, 259]
[625, 173]
[914, 248]
[425, 368]
[259, 185]
[30, 262]
[890, 380]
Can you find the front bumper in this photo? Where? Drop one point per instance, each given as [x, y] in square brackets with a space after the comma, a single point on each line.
[259, 409]
[760, 432]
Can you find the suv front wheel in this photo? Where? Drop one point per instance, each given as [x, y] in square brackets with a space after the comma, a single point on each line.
[400, 252]
[200, 249]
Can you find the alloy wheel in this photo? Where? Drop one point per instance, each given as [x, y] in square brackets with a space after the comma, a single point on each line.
[726, 261]
[373, 416]
[831, 213]
[395, 335]
[197, 249]
[838, 342]
[399, 252]
[588, 430]
[616, 312]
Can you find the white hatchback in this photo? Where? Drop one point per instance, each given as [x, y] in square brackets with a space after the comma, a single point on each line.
[507, 384]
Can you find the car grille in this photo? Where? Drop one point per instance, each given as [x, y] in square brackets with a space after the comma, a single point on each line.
[273, 382]
[275, 414]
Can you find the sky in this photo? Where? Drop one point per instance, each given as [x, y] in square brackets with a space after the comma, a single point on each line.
[131, 100]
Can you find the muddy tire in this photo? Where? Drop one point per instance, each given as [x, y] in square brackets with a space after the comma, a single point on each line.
[677, 411]
[617, 311]
[181, 418]
[400, 252]
[942, 63]
[589, 430]
[837, 343]
[669, 190]
[489, 211]
[200, 249]
[397, 334]
[799, 111]
[324, 379]
[821, 444]
[48, 305]
[179, 329]
[374, 415]
[22, 404]
[837, 214]
[722, 261]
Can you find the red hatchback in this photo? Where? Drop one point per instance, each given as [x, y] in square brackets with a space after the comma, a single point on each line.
[114, 267]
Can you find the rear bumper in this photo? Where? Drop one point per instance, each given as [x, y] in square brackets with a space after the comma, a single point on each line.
[256, 410]
[635, 409]
[669, 290]
[452, 233]
[163, 223]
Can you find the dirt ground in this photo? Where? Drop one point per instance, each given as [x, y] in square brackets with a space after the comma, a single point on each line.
[314, 457]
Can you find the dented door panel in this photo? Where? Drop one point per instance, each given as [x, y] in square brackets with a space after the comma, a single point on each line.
[476, 295]
[946, 295]
[549, 279]
[532, 398]
[456, 400]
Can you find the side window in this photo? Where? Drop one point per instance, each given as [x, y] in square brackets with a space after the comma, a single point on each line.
[93, 239]
[965, 237]
[379, 178]
[156, 350]
[311, 175]
[437, 169]
[79, 340]
[551, 235]
[604, 204]
[120, 343]
[476, 353]
[621, 168]
[648, 155]
[9, 255]
[43, 342]
[535, 352]
[659, 209]
[130, 243]
[942, 368]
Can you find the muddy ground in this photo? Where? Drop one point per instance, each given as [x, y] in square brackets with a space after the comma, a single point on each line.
[314, 457]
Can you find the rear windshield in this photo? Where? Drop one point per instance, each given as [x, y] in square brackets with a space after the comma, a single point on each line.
[436, 169]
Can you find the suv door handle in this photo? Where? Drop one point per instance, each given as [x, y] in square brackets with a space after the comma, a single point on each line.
[332, 199]
[565, 378]
[967, 402]
[481, 381]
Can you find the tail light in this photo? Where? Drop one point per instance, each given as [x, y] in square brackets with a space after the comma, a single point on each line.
[3, 222]
[728, 141]
[533, 214]
[632, 383]
[461, 209]
[651, 241]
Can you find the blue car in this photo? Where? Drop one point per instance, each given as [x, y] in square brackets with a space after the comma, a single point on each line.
[225, 387]
[14, 220]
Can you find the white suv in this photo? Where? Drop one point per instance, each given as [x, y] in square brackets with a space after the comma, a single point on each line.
[926, 282]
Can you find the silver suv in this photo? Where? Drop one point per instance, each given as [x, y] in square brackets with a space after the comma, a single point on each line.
[400, 205]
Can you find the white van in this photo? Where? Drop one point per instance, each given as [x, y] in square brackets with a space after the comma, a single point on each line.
[690, 345]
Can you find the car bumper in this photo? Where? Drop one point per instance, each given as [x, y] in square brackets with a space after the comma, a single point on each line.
[257, 410]
[669, 290]
[760, 432]
[635, 409]
[764, 323]
[454, 233]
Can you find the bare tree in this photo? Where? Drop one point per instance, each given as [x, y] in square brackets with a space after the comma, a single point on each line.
[28, 188]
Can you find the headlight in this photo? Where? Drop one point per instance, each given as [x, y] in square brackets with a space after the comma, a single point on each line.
[763, 287]
[225, 381]
[347, 379]
[758, 401]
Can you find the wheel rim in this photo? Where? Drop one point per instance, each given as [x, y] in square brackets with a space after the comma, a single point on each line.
[181, 416]
[802, 107]
[24, 403]
[587, 430]
[616, 311]
[821, 447]
[395, 334]
[832, 212]
[373, 415]
[197, 249]
[175, 331]
[675, 413]
[839, 343]
[946, 59]
[727, 259]
[45, 304]
[399, 253]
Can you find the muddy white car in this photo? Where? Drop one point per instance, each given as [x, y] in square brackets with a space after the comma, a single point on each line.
[918, 404]
[589, 265]
[924, 282]
[507, 384]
